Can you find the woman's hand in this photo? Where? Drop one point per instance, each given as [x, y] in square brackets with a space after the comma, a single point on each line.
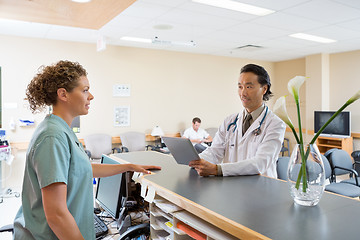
[143, 168]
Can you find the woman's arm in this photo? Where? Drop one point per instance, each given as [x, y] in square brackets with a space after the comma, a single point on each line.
[106, 170]
[60, 220]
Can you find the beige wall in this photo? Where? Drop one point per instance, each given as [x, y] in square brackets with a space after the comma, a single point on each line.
[344, 82]
[167, 88]
[284, 71]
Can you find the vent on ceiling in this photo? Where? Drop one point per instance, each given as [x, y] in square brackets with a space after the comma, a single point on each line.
[249, 48]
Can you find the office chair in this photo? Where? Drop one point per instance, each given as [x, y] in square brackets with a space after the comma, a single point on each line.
[281, 167]
[356, 156]
[134, 141]
[285, 148]
[7, 228]
[98, 144]
[341, 164]
[342, 188]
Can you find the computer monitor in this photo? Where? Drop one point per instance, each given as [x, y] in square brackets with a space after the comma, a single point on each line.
[112, 192]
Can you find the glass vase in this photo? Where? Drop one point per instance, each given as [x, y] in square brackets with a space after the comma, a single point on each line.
[306, 175]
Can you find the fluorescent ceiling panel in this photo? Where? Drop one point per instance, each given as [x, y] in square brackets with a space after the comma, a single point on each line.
[312, 38]
[237, 6]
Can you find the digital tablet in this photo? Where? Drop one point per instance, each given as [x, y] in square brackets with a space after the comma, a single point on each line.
[181, 149]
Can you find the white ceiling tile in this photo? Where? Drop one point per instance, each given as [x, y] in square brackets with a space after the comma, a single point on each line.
[286, 21]
[259, 30]
[122, 21]
[177, 29]
[353, 24]
[350, 3]
[197, 19]
[145, 10]
[215, 11]
[274, 4]
[335, 32]
[325, 11]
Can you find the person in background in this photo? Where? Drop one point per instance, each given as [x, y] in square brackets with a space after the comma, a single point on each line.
[248, 142]
[57, 194]
[198, 136]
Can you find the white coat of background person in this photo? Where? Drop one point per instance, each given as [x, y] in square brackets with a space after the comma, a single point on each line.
[256, 151]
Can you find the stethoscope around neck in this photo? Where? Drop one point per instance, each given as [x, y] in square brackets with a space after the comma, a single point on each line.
[256, 131]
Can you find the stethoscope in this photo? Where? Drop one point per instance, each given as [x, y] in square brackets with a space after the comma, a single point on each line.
[256, 131]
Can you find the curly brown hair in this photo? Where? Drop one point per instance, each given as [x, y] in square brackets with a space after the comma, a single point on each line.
[42, 90]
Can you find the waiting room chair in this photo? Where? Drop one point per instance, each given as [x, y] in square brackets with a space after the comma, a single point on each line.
[341, 164]
[133, 141]
[98, 144]
[7, 228]
[356, 156]
[333, 167]
[281, 167]
[341, 188]
[285, 147]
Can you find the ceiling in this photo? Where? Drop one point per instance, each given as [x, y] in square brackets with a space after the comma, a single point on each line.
[214, 31]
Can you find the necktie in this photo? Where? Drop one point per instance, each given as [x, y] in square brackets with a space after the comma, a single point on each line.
[246, 123]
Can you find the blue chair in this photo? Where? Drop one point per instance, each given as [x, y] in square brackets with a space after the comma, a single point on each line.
[281, 167]
[338, 164]
[285, 147]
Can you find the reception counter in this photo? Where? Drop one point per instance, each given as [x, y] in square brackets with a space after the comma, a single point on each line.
[248, 207]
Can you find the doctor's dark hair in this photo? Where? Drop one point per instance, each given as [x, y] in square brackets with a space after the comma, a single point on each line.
[263, 77]
[42, 90]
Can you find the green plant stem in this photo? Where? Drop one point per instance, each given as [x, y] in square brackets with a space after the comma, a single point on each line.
[299, 121]
[295, 134]
[329, 121]
[302, 172]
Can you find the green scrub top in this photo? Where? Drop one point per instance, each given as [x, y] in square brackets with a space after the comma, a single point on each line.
[55, 155]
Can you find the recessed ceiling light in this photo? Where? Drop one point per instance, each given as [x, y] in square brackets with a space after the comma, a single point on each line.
[163, 27]
[136, 39]
[312, 38]
[237, 6]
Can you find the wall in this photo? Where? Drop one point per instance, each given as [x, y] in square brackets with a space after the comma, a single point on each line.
[167, 88]
[345, 82]
[284, 71]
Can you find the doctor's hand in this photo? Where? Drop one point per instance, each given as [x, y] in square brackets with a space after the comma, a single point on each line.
[203, 168]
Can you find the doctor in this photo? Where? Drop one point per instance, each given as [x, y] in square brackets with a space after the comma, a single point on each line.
[248, 142]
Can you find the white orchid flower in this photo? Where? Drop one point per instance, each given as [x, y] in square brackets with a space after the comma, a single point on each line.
[280, 110]
[294, 86]
[354, 98]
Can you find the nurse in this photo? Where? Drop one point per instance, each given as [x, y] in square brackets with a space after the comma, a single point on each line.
[57, 195]
[248, 142]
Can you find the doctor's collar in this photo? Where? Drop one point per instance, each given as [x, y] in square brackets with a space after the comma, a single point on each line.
[256, 113]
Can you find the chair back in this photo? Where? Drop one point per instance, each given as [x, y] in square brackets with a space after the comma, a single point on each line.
[211, 131]
[281, 167]
[326, 166]
[340, 158]
[98, 144]
[285, 147]
[133, 141]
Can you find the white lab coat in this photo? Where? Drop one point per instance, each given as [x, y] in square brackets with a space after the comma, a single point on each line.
[248, 154]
